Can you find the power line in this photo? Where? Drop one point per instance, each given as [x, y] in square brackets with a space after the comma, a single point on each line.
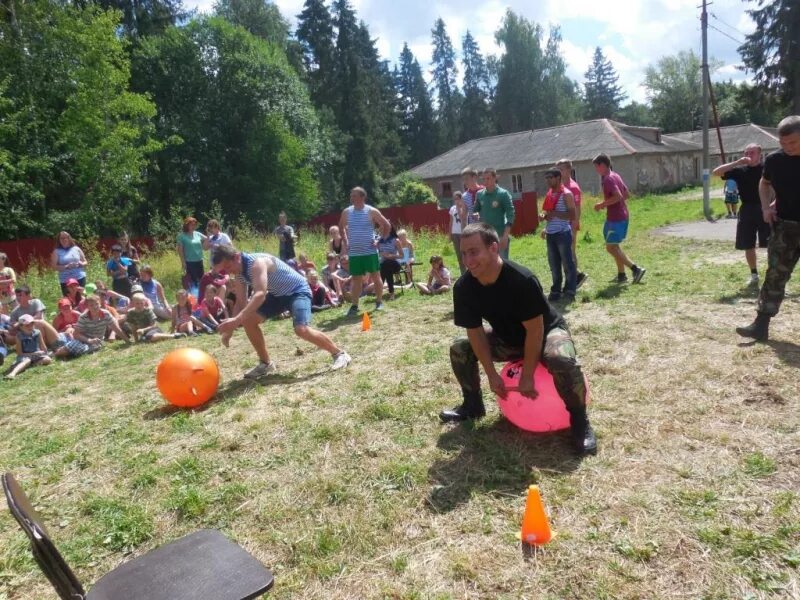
[727, 35]
[728, 25]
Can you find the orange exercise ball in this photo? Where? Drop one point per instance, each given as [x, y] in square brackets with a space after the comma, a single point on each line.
[187, 377]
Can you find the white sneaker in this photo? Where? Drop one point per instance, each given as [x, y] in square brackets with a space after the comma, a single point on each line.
[260, 370]
[753, 281]
[340, 361]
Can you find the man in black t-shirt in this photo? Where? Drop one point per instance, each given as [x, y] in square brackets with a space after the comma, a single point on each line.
[779, 191]
[746, 172]
[523, 326]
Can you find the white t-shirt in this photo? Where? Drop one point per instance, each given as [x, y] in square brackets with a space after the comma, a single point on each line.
[456, 220]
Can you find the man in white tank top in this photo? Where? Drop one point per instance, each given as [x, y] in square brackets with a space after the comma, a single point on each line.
[357, 225]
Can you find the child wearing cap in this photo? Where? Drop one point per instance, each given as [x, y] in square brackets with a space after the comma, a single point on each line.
[31, 350]
[66, 318]
[74, 292]
[117, 269]
[142, 321]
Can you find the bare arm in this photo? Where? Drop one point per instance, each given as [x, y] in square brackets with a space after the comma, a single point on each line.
[766, 193]
[179, 248]
[343, 231]
[722, 169]
[259, 277]
[381, 221]
[534, 335]
[162, 298]
[118, 330]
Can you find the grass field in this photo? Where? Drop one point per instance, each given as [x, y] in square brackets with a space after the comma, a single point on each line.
[347, 486]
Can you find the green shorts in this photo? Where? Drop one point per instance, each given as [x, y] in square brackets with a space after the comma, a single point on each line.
[362, 265]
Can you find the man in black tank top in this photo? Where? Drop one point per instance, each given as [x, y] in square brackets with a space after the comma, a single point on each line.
[523, 326]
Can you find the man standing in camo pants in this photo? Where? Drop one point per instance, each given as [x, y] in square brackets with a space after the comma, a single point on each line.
[779, 191]
[523, 326]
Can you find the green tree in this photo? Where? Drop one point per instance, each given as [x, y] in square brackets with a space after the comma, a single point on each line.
[417, 129]
[238, 121]
[315, 34]
[636, 113]
[559, 96]
[74, 141]
[674, 88]
[474, 117]
[519, 74]
[602, 93]
[448, 98]
[772, 51]
[144, 17]
[261, 18]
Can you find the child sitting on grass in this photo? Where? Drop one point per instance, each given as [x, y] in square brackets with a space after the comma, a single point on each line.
[8, 279]
[31, 350]
[67, 317]
[320, 295]
[141, 319]
[438, 279]
[183, 321]
[212, 309]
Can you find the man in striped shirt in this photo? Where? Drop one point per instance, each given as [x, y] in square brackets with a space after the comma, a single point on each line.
[357, 225]
[277, 288]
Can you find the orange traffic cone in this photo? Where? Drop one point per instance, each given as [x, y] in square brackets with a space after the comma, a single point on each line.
[535, 527]
[366, 324]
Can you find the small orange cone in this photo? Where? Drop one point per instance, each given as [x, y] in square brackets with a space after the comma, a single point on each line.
[366, 324]
[535, 527]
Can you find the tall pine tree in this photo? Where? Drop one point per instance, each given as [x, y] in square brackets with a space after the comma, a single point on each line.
[559, 100]
[417, 129]
[603, 95]
[474, 117]
[315, 34]
[772, 51]
[448, 98]
[519, 74]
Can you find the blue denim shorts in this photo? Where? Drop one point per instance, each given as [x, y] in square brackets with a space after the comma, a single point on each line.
[615, 232]
[298, 304]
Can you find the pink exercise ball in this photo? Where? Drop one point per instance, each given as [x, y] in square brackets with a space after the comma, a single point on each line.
[544, 413]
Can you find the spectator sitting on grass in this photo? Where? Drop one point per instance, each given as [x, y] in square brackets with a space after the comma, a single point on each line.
[321, 298]
[74, 293]
[304, 265]
[331, 266]
[335, 241]
[8, 279]
[438, 279]
[407, 249]
[67, 317]
[26, 305]
[219, 281]
[183, 321]
[96, 323]
[154, 292]
[212, 309]
[143, 324]
[31, 350]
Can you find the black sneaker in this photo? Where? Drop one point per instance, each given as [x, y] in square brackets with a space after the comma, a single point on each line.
[581, 280]
[462, 413]
[622, 278]
[553, 297]
[638, 274]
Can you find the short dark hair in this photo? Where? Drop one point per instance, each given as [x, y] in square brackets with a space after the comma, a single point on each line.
[789, 125]
[553, 173]
[486, 231]
[602, 159]
[490, 171]
[23, 289]
[223, 252]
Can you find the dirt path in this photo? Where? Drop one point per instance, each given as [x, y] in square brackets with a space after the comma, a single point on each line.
[721, 230]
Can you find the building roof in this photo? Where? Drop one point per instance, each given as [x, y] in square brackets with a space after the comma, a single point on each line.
[734, 138]
[577, 141]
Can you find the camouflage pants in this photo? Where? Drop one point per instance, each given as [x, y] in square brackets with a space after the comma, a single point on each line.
[558, 356]
[783, 252]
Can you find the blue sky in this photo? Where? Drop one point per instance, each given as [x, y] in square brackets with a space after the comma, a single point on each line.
[632, 34]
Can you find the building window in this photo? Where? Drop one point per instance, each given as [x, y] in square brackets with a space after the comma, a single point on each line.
[516, 184]
[696, 168]
[447, 189]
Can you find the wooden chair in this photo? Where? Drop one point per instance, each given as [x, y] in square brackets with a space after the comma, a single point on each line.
[204, 565]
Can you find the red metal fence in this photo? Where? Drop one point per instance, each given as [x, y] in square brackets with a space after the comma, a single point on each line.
[419, 216]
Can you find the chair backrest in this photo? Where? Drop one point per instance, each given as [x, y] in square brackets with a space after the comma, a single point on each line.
[47, 556]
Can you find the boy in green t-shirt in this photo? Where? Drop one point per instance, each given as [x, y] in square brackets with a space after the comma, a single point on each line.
[494, 206]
